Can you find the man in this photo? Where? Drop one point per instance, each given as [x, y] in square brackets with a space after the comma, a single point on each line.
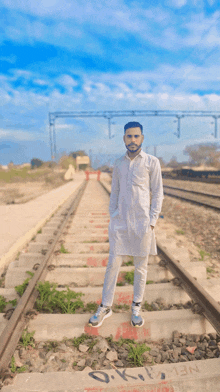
[132, 220]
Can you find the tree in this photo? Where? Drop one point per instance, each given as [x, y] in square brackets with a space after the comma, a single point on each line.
[173, 162]
[204, 154]
[66, 160]
[35, 162]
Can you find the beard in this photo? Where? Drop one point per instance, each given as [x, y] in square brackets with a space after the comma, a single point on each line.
[134, 150]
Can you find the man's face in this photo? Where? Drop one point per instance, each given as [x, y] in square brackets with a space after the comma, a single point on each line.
[133, 139]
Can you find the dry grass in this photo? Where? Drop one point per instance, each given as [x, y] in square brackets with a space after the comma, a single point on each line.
[21, 185]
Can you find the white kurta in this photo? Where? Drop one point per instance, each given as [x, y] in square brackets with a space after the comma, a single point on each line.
[131, 210]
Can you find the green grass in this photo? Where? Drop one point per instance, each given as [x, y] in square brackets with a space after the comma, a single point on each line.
[51, 346]
[81, 339]
[51, 300]
[135, 354]
[39, 231]
[203, 253]
[209, 270]
[12, 365]
[63, 249]
[25, 173]
[22, 287]
[149, 282]
[180, 232]
[129, 263]
[121, 307]
[90, 242]
[147, 306]
[120, 284]
[122, 341]
[3, 303]
[91, 307]
[129, 277]
[27, 339]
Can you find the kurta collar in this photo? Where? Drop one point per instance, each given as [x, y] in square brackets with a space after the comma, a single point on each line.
[141, 154]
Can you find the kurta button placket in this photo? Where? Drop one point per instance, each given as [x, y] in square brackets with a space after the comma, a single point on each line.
[130, 211]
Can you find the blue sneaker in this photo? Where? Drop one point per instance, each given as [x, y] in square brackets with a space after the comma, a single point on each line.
[136, 319]
[102, 313]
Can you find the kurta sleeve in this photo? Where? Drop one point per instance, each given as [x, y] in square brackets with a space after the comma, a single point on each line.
[156, 186]
[113, 205]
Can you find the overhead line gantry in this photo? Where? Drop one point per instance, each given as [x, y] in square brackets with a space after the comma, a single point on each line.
[110, 114]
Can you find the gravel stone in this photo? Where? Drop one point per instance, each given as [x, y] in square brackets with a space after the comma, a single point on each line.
[200, 227]
[101, 345]
[18, 362]
[158, 358]
[112, 356]
[81, 362]
[154, 352]
[176, 334]
[83, 348]
[22, 352]
[165, 347]
[164, 356]
[42, 354]
[41, 345]
[63, 347]
[89, 362]
[119, 364]
[87, 369]
[155, 306]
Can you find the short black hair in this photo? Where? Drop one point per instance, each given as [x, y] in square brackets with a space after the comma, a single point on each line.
[133, 124]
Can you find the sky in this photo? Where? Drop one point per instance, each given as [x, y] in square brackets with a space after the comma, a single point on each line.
[83, 55]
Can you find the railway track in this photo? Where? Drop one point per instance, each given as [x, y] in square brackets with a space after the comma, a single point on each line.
[72, 250]
[200, 198]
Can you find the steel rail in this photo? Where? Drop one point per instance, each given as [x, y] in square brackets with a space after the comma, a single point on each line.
[12, 332]
[208, 306]
[191, 191]
[193, 201]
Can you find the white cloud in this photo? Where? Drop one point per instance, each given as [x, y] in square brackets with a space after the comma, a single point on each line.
[19, 135]
[67, 81]
[177, 3]
[9, 59]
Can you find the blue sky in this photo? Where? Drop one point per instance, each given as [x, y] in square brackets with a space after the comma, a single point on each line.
[106, 55]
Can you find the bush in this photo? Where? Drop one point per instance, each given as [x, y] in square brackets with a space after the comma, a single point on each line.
[35, 162]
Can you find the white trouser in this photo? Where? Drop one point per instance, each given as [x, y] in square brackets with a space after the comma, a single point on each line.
[111, 275]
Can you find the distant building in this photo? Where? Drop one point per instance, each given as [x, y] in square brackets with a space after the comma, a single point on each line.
[82, 162]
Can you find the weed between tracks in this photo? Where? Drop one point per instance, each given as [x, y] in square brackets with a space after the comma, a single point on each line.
[63, 249]
[129, 278]
[135, 354]
[51, 300]
[203, 254]
[22, 287]
[4, 303]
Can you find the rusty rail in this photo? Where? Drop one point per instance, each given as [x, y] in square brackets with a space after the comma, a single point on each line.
[207, 305]
[193, 192]
[13, 330]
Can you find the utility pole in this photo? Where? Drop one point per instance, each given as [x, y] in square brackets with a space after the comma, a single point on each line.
[90, 157]
[155, 151]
